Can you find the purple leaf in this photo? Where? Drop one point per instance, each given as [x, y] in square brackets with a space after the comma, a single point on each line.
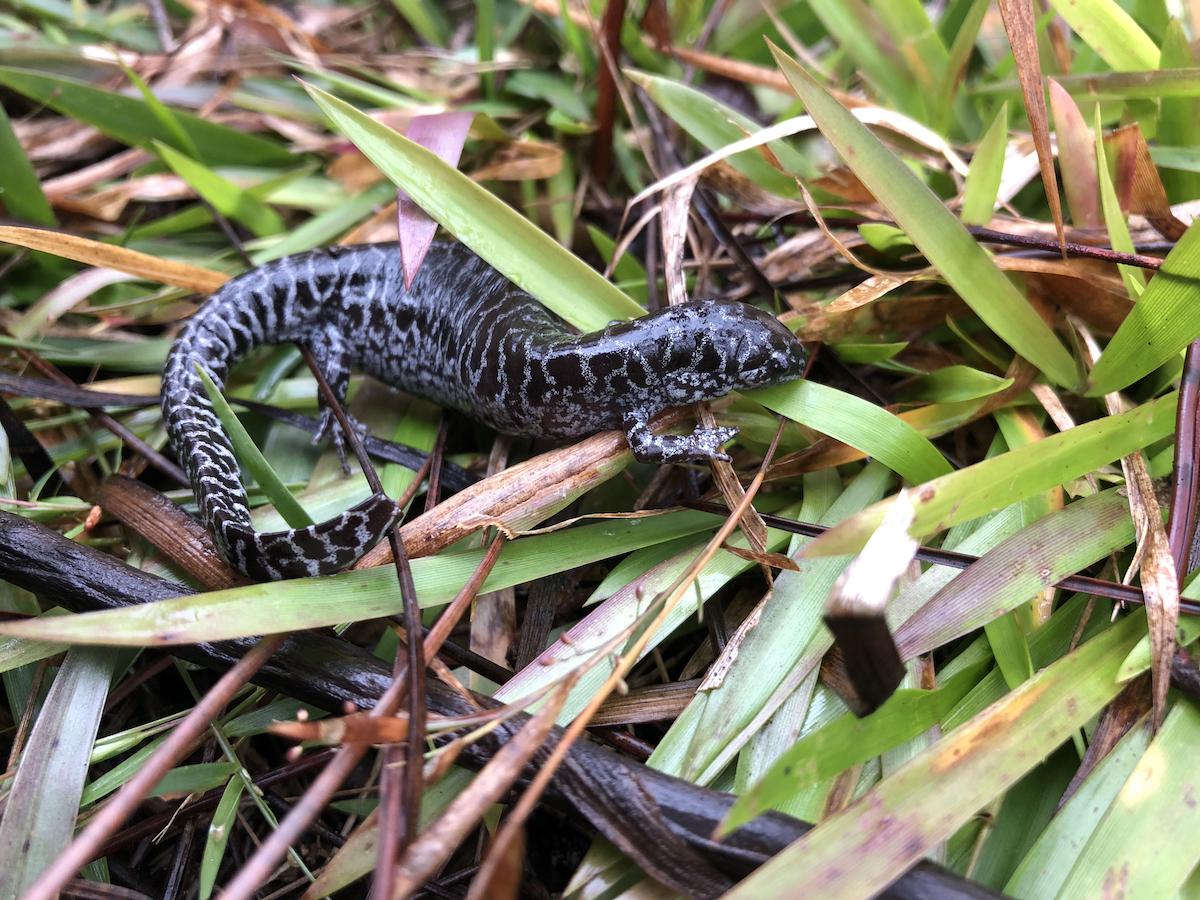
[443, 134]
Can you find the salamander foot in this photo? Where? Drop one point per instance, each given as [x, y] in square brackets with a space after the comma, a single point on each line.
[702, 445]
[330, 428]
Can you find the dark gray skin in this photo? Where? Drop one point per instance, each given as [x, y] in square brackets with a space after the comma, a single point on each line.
[465, 337]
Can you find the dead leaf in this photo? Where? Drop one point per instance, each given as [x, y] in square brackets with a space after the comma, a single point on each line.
[1077, 159]
[522, 161]
[96, 253]
[1022, 37]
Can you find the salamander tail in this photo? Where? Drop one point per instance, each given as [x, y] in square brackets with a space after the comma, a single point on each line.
[321, 549]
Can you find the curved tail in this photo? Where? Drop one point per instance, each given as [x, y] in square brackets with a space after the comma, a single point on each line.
[321, 549]
[215, 339]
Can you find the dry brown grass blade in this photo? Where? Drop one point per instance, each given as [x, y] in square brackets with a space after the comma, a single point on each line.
[1160, 581]
[499, 877]
[96, 253]
[766, 558]
[731, 489]
[735, 70]
[676, 203]
[357, 728]
[836, 319]
[178, 536]
[1022, 37]
[609, 35]
[1088, 289]
[522, 161]
[745, 194]
[1139, 186]
[520, 496]
[493, 629]
[657, 703]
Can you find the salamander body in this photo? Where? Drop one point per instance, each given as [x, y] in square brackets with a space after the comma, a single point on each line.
[465, 337]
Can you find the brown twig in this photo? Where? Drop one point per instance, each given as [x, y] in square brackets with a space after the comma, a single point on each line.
[310, 805]
[606, 90]
[413, 772]
[994, 236]
[1139, 260]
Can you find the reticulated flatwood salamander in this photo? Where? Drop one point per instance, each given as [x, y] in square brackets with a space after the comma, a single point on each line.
[464, 337]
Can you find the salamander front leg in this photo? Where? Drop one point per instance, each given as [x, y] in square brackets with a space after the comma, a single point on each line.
[333, 356]
[702, 445]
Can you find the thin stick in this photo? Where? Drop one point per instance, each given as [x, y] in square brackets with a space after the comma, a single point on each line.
[414, 778]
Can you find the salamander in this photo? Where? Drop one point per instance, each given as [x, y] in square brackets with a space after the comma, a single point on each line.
[462, 336]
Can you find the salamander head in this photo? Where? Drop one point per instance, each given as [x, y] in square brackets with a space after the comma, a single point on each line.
[754, 348]
[695, 351]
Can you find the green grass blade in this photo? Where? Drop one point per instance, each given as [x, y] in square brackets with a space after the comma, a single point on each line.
[1178, 117]
[1014, 571]
[849, 23]
[961, 49]
[1111, 32]
[849, 740]
[954, 384]
[133, 122]
[1161, 324]
[1040, 874]
[859, 423]
[785, 645]
[426, 19]
[20, 190]
[352, 596]
[194, 778]
[1164, 83]
[715, 125]
[39, 816]
[995, 483]
[937, 233]
[225, 196]
[987, 166]
[511, 243]
[181, 140]
[898, 821]
[247, 451]
[1156, 808]
[1114, 217]
[219, 828]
